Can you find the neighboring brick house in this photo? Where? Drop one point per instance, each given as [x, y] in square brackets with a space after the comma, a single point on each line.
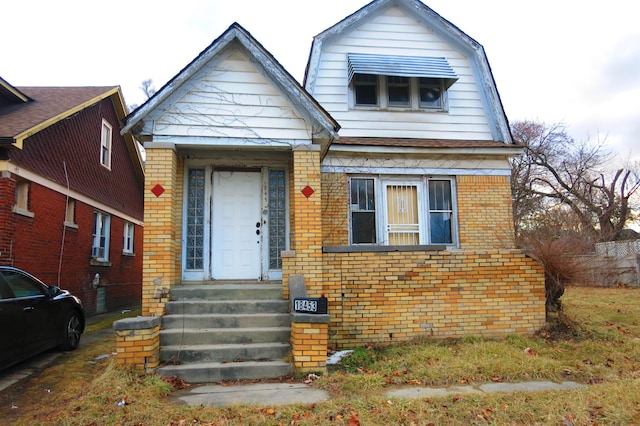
[401, 214]
[71, 202]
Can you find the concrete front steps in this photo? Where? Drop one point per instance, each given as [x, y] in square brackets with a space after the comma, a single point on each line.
[225, 331]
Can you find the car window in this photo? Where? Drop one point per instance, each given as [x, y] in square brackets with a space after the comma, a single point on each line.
[21, 285]
[5, 293]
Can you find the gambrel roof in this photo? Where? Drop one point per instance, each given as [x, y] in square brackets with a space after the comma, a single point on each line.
[440, 26]
[140, 121]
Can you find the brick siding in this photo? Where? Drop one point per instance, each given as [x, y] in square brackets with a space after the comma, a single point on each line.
[484, 212]
[162, 223]
[379, 297]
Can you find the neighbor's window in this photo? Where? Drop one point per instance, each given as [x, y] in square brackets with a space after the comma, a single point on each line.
[70, 212]
[22, 195]
[410, 211]
[105, 145]
[128, 237]
[101, 228]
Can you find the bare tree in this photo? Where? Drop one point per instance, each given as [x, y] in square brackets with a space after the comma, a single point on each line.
[148, 88]
[557, 173]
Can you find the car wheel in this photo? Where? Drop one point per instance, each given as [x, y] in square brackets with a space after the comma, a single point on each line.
[72, 332]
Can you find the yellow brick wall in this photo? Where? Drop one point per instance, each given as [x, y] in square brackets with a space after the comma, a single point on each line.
[485, 217]
[379, 297]
[162, 223]
[309, 343]
[335, 209]
[306, 222]
[138, 349]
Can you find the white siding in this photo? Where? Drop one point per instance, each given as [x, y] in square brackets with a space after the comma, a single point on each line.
[233, 101]
[395, 33]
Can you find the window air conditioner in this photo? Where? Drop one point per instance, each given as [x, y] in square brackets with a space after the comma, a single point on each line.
[97, 252]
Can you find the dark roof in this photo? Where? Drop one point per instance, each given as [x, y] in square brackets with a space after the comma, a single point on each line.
[422, 143]
[46, 106]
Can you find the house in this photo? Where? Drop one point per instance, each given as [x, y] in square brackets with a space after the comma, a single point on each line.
[383, 184]
[71, 204]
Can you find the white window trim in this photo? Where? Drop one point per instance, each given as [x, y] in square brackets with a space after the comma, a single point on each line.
[380, 182]
[129, 235]
[106, 144]
[100, 252]
[414, 95]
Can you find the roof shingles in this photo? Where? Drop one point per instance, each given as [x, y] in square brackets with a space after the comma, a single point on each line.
[46, 104]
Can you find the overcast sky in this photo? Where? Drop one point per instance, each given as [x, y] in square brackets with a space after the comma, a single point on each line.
[570, 61]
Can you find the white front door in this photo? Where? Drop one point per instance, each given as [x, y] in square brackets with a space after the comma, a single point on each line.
[236, 237]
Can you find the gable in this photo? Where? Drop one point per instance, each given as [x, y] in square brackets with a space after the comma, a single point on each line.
[231, 100]
[234, 93]
[405, 30]
[66, 156]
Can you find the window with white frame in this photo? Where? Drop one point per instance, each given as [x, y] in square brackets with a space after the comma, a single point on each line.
[101, 231]
[127, 246]
[414, 93]
[389, 210]
[399, 82]
[105, 144]
[363, 211]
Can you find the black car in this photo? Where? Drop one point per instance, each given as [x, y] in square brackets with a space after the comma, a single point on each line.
[35, 317]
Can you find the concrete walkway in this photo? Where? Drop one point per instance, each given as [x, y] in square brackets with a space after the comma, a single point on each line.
[252, 394]
[300, 393]
[425, 392]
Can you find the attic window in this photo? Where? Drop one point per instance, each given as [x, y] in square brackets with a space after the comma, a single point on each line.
[105, 144]
[405, 82]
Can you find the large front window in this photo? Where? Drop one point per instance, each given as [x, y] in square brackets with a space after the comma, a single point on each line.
[402, 211]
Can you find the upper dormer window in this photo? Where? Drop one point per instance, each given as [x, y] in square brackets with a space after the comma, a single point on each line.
[399, 82]
[365, 89]
[105, 145]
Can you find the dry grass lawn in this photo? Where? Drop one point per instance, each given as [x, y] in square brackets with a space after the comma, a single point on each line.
[596, 341]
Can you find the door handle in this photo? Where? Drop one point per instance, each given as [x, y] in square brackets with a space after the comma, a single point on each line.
[28, 308]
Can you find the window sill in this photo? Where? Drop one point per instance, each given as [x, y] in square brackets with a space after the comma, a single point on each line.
[96, 262]
[372, 248]
[23, 212]
[70, 225]
[128, 254]
[398, 109]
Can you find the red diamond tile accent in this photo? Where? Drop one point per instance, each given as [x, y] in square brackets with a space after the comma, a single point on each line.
[307, 191]
[157, 190]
